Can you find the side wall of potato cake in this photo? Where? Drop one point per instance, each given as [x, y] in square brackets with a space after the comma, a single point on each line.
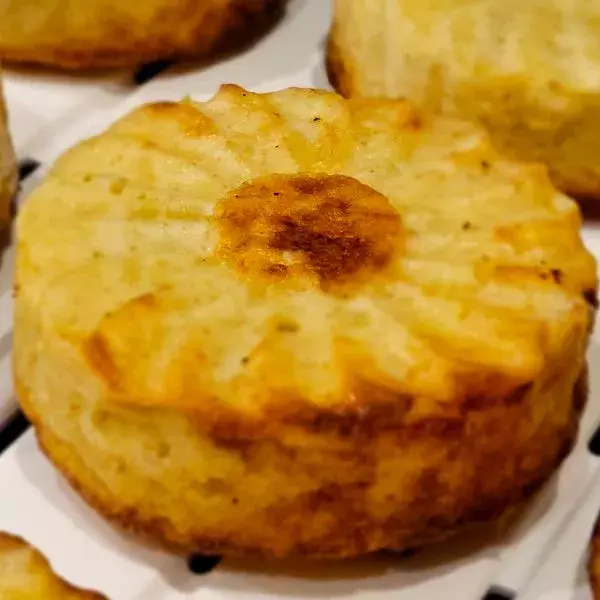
[334, 487]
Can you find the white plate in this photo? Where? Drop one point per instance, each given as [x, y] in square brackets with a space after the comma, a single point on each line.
[50, 113]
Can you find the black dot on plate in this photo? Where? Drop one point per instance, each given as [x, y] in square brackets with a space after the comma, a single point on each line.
[594, 443]
[27, 166]
[150, 70]
[200, 564]
[13, 430]
[499, 593]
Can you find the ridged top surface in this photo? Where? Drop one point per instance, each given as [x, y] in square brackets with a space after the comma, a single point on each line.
[295, 250]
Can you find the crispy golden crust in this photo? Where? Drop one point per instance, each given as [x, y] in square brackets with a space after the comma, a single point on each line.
[294, 324]
[8, 168]
[108, 33]
[25, 574]
[340, 231]
[489, 61]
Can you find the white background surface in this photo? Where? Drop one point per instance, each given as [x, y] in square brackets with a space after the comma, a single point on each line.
[47, 114]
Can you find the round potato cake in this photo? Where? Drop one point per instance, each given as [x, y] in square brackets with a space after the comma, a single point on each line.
[76, 34]
[25, 574]
[528, 71]
[293, 324]
[8, 168]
